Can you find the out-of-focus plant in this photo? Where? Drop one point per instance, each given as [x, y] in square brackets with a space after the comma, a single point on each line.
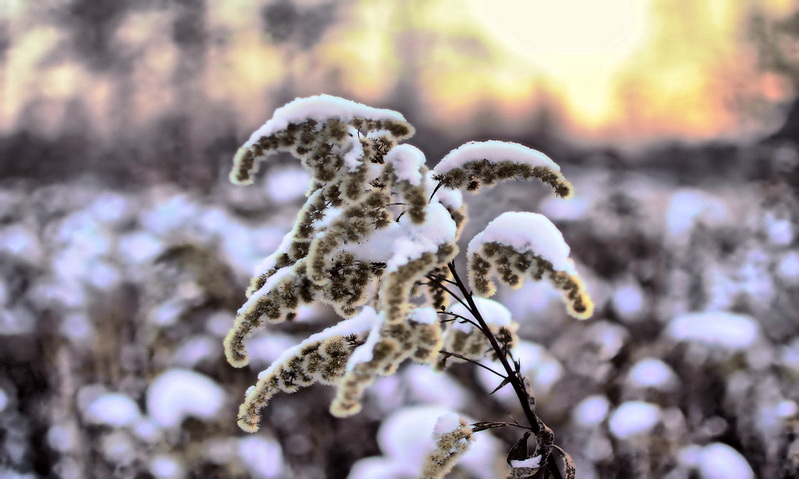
[377, 241]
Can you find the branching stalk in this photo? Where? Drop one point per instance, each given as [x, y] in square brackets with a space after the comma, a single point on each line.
[513, 376]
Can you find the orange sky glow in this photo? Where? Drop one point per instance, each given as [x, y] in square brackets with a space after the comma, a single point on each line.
[616, 70]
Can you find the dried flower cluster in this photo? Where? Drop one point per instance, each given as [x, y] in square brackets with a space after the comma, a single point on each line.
[533, 250]
[375, 240]
[452, 435]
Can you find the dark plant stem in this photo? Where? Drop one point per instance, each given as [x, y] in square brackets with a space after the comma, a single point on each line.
[514, 377]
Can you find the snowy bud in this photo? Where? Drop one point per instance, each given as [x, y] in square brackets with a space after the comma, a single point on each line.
[478, 164]
[453, 436]
[518, 244]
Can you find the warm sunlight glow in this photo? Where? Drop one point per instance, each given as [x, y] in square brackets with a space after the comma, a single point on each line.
[565, 26]
[610, 70]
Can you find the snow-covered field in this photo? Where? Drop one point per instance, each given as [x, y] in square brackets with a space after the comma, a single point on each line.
[113, 306]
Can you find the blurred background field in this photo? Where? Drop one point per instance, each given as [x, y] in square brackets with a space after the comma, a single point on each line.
[124, 252]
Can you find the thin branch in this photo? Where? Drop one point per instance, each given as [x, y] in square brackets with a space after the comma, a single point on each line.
[469, 360]
[441, 279]
[515, 379]
[456, 316]
[435, 190]
[457, 298]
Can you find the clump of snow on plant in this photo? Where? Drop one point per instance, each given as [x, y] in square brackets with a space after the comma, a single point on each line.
[716, 461]
[21, 242]
[320, 108]
[407, 161]
[493, 312]
[113, 409]
[406, 437]
[359, 323]
[633, 419]
[263, 457]
[715, 328]
[527, 232]
[591, 411]
[533, 462]
[405, 241]
[166, 466]
[494, 151]
[628, 300]
[687, 207]
[173, 396]
[425, 385]
[788, 268]
[652, 373]
[285, 185]
[779, 231]
[3, 399]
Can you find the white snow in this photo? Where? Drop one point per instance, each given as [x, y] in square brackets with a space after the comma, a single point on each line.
[493, 312]
[195, 350]
[628, 301]
[285, 244]
[406, 438]
[282, 273]
[652, 373]
[527, 232]
[171, 213]
[147, 430]
[320, 108]
[608, 338]
[591, 411]
[424, 315]
[633, 419]
[178, 393]
[771, 415]
[355, 325]
[20, 241]
[687, 207]
[779, 231]
[531, 462]
[788, 268]
[62, 437]
[448, 197]
[139, 247]
[425, 385]
[408, 161]
[330, 215]
[368, 318]
[262, 456]
[715, 328]
[354, 155]
[113, 409]
[17, 320]
[103, 275]
[494, 151]
[404, 241]
[447, 423]
[285, 185]
[166, 466]
[575, 209]
[112, 208]
[264, 348]
[720, 461]
[374, 467]
[5, 295]
[118, 447]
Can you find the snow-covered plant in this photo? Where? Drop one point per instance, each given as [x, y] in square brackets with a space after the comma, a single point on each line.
[376, 240]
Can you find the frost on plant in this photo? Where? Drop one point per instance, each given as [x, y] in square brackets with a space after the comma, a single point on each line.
[376, 240]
